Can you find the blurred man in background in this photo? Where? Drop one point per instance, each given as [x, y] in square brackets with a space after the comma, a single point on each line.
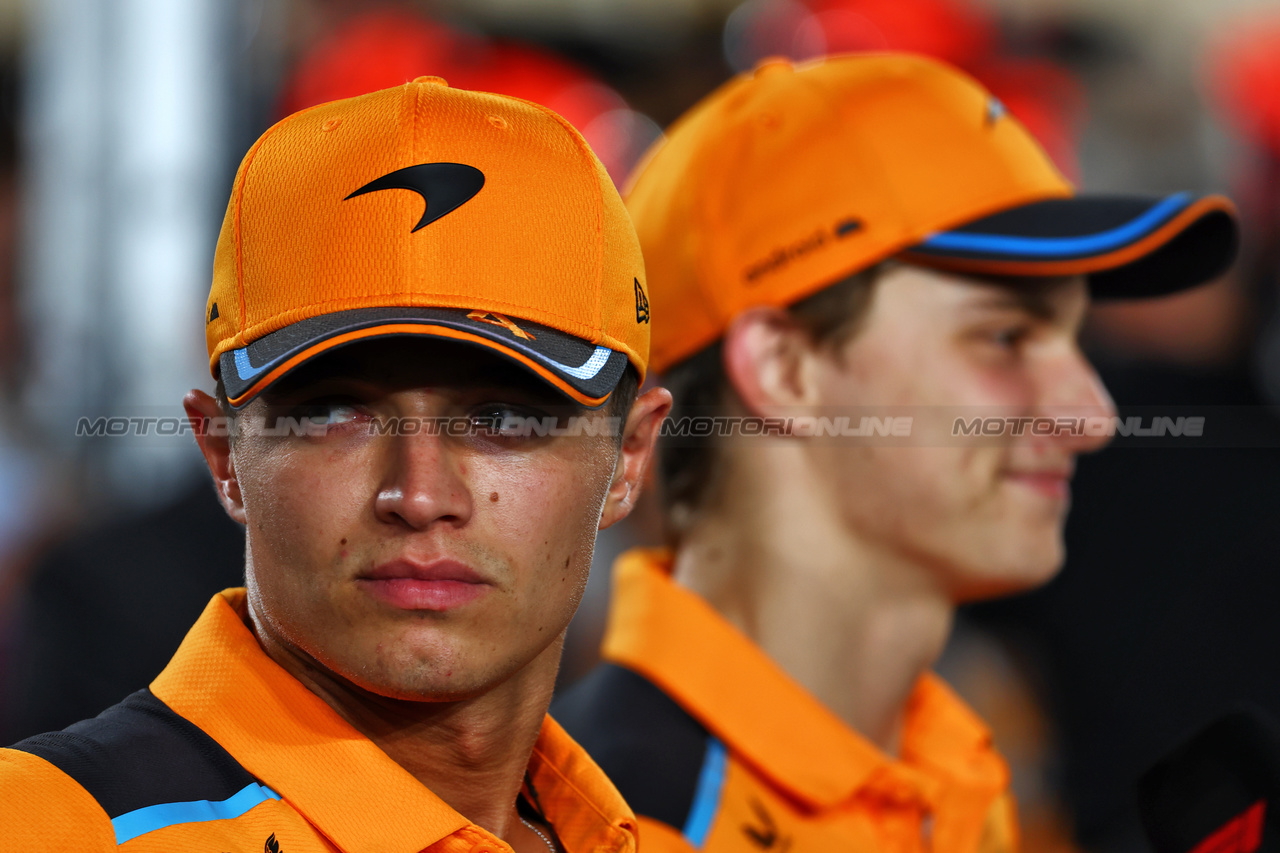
[1163, 618]
[861, 236]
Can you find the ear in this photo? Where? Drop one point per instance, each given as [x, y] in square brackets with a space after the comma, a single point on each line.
[212, 434]
[769, 361]
[639, 435]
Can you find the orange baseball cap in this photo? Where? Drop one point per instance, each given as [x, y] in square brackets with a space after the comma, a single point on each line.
[789, 178]
[427, 210]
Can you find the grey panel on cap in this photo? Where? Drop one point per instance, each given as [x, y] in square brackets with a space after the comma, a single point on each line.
[587, 368]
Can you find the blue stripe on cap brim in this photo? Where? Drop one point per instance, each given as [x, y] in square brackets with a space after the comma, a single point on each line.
[1060, 247]
[1126, 246]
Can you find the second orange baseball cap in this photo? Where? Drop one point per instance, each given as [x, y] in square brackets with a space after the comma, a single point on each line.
[789, 178]
[427, 210]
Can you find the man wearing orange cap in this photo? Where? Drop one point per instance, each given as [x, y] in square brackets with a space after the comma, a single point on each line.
[408, 318]
[867, 283]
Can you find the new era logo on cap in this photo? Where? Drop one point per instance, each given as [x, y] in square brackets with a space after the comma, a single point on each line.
[642, 304]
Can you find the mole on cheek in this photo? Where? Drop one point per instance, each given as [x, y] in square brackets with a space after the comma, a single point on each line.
[493, 497]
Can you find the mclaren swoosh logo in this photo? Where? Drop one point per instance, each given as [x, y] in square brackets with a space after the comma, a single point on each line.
[444, 187]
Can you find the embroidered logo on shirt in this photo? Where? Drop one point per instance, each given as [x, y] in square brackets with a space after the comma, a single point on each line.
[766, 835]
[272, 846]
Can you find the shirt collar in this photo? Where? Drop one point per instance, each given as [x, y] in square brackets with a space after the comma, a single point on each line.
[340, 781]
[739, 694]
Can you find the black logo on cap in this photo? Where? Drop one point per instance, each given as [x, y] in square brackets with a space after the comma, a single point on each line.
[213, 313]
[845, 227]
[443, 187]
[642, 304]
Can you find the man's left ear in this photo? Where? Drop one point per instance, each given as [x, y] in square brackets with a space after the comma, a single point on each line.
[639, 435]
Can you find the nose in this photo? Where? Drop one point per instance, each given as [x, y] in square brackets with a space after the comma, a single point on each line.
[423, 483]
[1074, 390]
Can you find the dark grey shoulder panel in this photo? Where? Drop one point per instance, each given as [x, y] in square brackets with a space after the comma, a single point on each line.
[646, 743]
[140, 753]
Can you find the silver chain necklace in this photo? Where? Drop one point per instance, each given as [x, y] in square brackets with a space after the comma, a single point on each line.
[539, 833]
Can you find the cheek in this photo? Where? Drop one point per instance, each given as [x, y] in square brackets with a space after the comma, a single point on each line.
[1006, 389]
[912, 493]
[547, 512]
[542, 498]
[934, 372]
[299, 504]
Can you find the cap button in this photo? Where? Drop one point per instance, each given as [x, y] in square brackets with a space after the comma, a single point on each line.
[772, 65]
[433, 81]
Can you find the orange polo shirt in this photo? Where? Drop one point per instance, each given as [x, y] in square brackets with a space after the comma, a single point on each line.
[228, 752]
[718, 749]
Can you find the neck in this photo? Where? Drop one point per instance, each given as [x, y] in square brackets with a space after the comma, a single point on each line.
[854, 624]
[471, 753]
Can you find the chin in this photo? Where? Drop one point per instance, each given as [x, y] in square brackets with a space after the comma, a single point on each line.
[415, 666]
[422, 682]
[1016, 570]
[434, 690]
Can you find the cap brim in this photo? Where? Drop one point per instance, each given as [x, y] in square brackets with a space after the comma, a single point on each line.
[584, 372]
[1129, 246]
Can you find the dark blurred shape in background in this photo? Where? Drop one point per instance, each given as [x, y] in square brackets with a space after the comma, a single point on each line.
[105, 610]
[387, 46]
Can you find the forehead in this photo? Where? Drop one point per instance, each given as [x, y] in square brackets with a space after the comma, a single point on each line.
[930, 293]
[400, 363]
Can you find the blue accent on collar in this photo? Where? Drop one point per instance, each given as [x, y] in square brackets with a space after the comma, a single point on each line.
[141, 821]
[1037, 247]
[706, 797]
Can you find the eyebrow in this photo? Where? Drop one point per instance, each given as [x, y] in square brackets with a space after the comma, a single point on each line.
[1031, 300]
